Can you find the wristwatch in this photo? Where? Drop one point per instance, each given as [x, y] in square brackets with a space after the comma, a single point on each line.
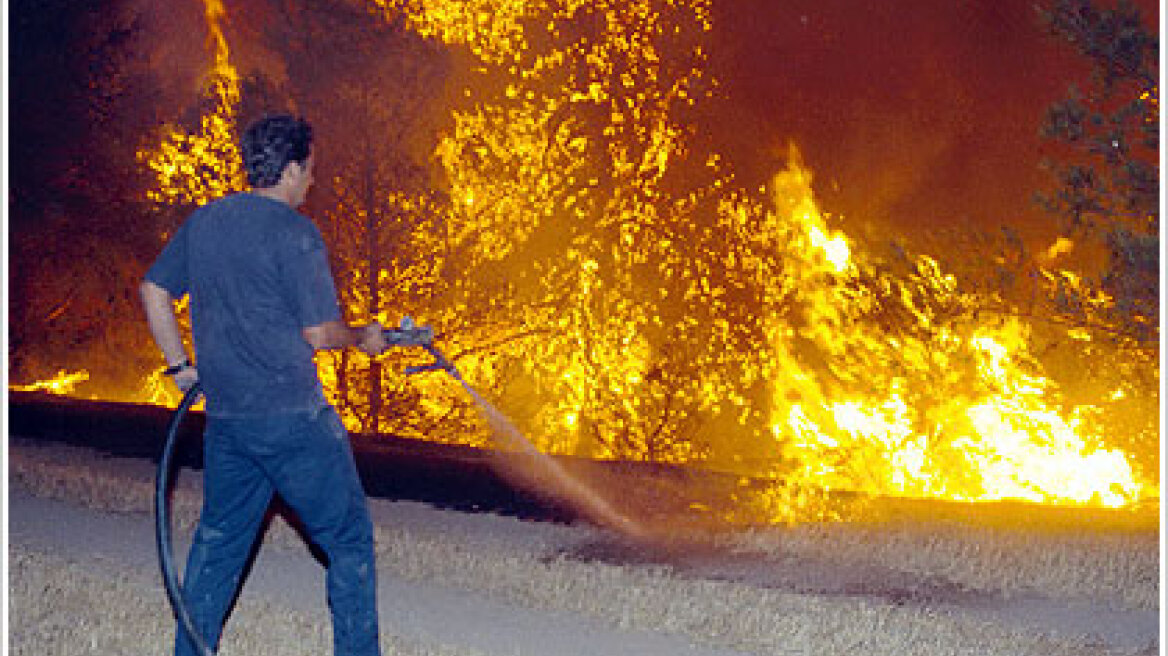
[174, 369]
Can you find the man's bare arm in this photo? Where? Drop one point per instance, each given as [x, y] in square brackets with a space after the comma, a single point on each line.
[164, 327]
[337, 335]
[163, 323]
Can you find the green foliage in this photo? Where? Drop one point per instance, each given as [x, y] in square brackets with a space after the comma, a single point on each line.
[1107, 184]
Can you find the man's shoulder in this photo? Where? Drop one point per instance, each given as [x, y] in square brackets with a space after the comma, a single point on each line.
[245, 201]
[222, 208]
[256, 210]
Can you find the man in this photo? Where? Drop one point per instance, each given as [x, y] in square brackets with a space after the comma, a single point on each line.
[262, 302]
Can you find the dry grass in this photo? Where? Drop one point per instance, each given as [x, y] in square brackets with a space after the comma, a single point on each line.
[1119, 568]
[723, 613]
[655, 589]
[64, 608]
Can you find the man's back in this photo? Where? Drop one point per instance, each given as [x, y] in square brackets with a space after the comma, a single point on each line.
[257, 273]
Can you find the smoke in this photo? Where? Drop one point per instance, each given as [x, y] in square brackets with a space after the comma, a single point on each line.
[173, 41]
[916, 116]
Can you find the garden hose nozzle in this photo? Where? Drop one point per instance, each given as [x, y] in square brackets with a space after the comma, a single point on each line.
[409, 334]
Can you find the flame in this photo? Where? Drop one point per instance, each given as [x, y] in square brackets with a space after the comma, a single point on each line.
[65, 382]
[492, 29]
[997, 431]
[577, 142]
[1061, 246]
[999, 435]
[158, 390]
[617, 314]
[194, 168]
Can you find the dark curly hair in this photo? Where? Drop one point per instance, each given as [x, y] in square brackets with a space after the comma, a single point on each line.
[270, 144]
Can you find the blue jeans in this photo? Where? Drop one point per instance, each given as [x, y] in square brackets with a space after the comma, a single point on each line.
[306, 458]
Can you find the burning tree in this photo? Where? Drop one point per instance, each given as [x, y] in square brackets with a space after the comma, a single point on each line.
[1109, 183]
[1108, 180]
[368, 87]
[676, 318]
[1106, 195]
[198, 165]
[593, 265]
[567, 165]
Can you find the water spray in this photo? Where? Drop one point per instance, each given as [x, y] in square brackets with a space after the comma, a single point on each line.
[570, 488]
[407, 334]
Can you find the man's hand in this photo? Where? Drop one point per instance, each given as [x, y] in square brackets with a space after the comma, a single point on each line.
[186, 378]
[372, 340]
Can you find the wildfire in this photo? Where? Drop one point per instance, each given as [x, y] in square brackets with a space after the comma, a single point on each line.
[65, 382]
[194, 168]
[158, 390]
[859, 405]
[490, 28]
[993, 433]
[617, 310]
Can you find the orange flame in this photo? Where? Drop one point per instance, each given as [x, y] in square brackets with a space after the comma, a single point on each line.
[194, 168]
[999, 434]
[822, 397]
[64, 382]
[1002, 440]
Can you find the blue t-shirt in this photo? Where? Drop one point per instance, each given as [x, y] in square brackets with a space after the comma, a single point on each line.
[257, 272]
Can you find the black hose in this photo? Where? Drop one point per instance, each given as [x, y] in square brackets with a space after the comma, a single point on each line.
[162, 522]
